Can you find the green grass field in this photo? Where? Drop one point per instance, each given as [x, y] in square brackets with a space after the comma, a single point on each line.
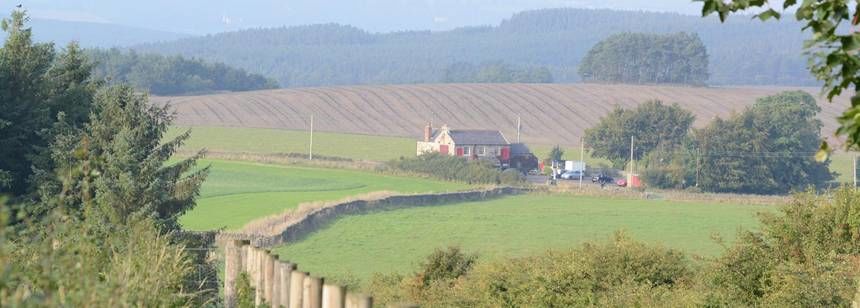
[237, 192]
[394, 241]
[842, 164]
[268, 141]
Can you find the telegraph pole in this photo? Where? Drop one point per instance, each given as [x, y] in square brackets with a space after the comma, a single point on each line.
[697, 166]
[855, 171]
[581, 159]
[311, 145]
[518, 128]
[630, 175]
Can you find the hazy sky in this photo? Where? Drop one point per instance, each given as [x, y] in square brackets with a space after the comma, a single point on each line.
[210, 16]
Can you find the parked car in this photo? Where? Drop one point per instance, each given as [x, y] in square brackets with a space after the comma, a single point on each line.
[572, 175]
[602, 179]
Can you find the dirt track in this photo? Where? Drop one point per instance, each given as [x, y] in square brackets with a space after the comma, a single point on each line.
[551, 113]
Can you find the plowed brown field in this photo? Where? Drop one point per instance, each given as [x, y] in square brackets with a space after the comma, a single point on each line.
[551, 113]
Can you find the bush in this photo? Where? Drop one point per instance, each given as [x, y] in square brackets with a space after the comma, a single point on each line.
[74, 263]
[453, 168]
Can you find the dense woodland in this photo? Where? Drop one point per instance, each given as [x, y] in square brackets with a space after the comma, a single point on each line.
[172, 75]
[742, 51]
[642, 58]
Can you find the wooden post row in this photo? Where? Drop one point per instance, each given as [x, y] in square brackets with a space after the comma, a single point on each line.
[279, 284]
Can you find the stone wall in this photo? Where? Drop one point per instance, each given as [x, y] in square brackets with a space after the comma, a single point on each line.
[318, 218]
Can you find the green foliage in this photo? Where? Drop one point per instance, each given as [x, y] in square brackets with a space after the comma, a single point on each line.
[580, 277]
[24, 68]
[651, 124]
[495, 72]
[173, 75]
[452, 168]
[245, 296]
[742, 52]
[670, 168]
[120, 165]
[555, 154]
[68, 262]
[679, 58]
[447, 264]
[802, 257]
[766, 149]
[90, 229]
[832, 52]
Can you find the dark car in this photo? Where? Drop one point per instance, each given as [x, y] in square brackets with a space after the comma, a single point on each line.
[602, 179]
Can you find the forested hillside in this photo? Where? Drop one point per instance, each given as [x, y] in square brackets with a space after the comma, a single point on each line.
[172, 75]
[742, 51]
[678, 58]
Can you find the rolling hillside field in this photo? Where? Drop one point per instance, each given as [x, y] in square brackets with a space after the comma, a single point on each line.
[395, 241]
[237, 192]
[551, 114]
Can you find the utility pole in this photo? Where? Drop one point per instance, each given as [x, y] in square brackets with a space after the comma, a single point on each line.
[581, 159]
[630, 175]
[697, 166]
[311, 145]
[855, 171]
[518, 128]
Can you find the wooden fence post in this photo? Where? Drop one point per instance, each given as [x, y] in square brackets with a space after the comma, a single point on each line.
[268, 276]
[276, 281]
[286, 271]
[312, 292]
[297, 284]
[333, 296]
[233, 260]
[258, 272]
[358, 301]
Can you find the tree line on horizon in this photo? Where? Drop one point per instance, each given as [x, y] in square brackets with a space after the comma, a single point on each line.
[741, 53]
[172, 75]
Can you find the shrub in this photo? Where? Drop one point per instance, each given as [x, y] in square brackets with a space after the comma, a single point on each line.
[452, 168]
[74, 263]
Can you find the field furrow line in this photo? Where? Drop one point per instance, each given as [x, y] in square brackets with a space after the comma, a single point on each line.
[362, 110]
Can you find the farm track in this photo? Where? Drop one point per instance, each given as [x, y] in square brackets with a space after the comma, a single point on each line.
[551, 113]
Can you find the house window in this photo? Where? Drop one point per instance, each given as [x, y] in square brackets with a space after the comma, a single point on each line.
[467, 151]
[497, 151]
[481, 150]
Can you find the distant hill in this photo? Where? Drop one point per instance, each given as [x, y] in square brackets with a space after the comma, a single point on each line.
[551, 113]
[742, 51]
[90, 34]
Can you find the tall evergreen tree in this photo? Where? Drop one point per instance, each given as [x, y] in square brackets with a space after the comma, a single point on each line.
[121, 166]
[23, 112]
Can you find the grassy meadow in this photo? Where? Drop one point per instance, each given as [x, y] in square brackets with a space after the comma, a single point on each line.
[238, 192]
[270, 141]
[394, 241]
